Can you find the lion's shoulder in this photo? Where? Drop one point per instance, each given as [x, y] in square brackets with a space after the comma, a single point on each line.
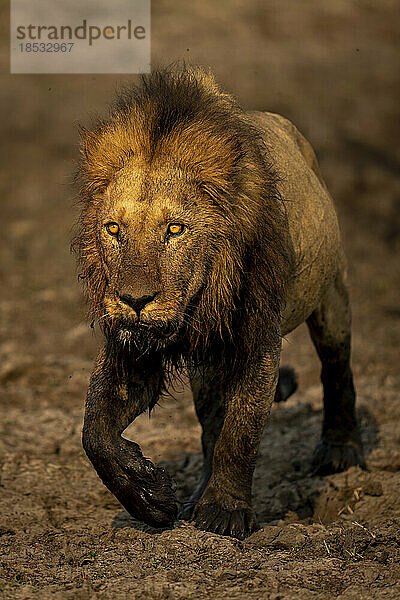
[279, 129]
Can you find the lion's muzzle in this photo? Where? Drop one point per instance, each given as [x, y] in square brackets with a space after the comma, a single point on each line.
[137, 303]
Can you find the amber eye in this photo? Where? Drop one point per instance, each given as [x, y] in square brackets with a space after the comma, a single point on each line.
[112, 228]
[175, 229]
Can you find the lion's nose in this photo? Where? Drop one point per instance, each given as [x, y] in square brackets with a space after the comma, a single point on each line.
[137, 304]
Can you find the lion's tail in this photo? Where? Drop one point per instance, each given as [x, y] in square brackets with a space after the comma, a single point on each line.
[287, 384]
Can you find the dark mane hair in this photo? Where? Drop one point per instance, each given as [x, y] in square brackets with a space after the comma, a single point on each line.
[180, 113]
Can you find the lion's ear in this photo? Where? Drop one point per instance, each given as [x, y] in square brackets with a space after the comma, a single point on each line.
[206, 78]
[100, 157]
[88, 142]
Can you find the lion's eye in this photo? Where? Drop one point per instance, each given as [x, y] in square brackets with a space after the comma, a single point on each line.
[175, 229]
[112, 228]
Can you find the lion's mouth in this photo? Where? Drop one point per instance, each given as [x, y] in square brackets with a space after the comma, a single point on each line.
[144, 335]
[163, 331]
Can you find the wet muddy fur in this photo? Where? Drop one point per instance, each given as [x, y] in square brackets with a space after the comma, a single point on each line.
[228, 341]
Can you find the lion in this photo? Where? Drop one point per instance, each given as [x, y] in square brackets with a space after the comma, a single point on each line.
[206, 235]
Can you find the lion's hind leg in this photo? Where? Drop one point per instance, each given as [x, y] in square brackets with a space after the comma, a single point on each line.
[340, 446]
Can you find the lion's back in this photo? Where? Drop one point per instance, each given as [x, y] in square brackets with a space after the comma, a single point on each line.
[312, 218]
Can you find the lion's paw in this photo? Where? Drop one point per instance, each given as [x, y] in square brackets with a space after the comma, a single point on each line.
[331, 457]
[148, 492]
[238, 522]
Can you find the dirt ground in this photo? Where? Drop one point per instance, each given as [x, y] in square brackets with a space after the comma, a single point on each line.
[333, 68]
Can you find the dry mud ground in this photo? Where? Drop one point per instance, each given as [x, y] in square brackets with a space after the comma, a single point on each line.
[333, 68]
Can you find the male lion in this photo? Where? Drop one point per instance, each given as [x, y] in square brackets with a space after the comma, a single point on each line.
[207, 234]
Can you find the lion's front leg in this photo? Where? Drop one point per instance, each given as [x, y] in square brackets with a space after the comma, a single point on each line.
[114, 400]
[225, 506]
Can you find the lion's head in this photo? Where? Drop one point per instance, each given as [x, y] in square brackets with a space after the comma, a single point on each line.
[177, 200]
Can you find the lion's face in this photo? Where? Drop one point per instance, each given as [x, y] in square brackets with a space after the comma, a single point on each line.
[157, 239]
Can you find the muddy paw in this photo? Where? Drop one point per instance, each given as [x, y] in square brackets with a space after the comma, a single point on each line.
[145, 490]
[238, 522]
[332, 457]
[152, 499]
